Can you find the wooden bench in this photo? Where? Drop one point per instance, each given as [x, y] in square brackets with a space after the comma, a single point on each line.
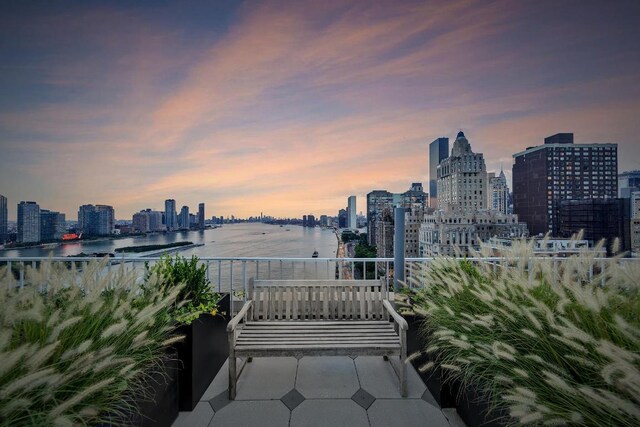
[317, 318]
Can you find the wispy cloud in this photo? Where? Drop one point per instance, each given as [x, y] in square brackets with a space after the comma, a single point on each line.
[291, 107]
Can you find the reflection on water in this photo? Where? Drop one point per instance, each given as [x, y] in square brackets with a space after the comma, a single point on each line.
[234, 240]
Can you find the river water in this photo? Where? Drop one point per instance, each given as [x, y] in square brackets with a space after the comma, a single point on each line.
[231, 240]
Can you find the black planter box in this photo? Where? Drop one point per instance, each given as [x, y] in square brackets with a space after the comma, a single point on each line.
[469, 405]
[201, 354]
[433, 378]
[157, 403]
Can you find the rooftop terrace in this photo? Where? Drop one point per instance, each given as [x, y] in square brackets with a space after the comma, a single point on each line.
[318, 391]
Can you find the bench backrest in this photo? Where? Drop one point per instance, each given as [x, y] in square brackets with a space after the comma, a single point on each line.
[317, 299]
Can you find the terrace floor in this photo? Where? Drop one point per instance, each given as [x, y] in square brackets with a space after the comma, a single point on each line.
[317, 391]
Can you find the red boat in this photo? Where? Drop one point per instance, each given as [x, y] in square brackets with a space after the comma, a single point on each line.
[71, 236]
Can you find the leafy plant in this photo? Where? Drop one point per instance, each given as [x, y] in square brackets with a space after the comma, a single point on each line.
[74, 344]
[196, 296]
[549, 342]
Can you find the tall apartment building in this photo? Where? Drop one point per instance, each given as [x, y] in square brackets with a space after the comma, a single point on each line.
[559, 170]
[201, 216]
[463, 219]
[342, 218]
[52, 225]
[183, 219]
[498, 194]
[96, 220]
[170, 214]
[351, 212]
[28, 222]
[438, 151]
[147, 221]
[380, 217]
[4, 219]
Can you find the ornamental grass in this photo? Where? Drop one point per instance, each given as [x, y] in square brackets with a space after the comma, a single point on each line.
[74, 344]
[547, 342]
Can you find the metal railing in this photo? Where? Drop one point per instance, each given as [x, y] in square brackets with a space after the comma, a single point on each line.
[232, 273]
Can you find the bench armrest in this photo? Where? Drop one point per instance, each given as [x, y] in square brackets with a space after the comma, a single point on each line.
[402, 324]
[231, 326]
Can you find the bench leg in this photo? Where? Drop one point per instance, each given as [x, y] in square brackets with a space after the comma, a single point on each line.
[403, 377]
[232, 377]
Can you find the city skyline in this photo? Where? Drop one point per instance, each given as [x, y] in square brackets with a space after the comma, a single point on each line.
[292, 108]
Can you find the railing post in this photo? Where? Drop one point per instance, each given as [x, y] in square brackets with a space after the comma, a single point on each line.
[398, 248]
[244, 279]
[220, 276]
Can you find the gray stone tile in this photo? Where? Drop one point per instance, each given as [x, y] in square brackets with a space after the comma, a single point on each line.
[255, 413]
[267, 378]
[405, 412]
[219, 384]
[362, 398]
[220, 401]
[329, 413]
[428, 397]
[292, 399]
[378, 378]
[327, 377]
[453, 417]
[199, 417]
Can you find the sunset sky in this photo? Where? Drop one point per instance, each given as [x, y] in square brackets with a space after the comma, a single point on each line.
[289, 107]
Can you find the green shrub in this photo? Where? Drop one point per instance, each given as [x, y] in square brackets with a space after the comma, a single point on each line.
[74, 344]
[552, 346]
[196, 296]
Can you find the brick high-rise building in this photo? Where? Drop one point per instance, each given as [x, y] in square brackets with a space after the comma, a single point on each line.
[559, 170]
[201, 216]
[96, 220]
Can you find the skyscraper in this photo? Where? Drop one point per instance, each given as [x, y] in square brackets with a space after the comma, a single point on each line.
[28, 222]
[170, 215]
[183, 220]
[52, 225]
[201, 216]
[463, 220]
[438, 151]
[559, 170]
[351, 212]
[4, 219]
[498, 193]
[96, 220]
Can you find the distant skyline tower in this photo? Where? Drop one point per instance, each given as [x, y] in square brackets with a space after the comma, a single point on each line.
[28, 222]
[351, 212]
[438, 151]
[170, 214]
[183, 220]
[4, 219]
[52, 225]
[201, 216]
[498, 192]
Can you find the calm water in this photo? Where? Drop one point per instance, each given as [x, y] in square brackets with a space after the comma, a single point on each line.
[232, 240]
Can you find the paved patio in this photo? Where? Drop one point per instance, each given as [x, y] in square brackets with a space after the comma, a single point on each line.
[317, 391]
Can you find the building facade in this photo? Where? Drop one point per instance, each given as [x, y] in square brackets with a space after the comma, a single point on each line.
[351, 213]
[170, 215]
[463, 220]
[546, 175]
[4, 219]
[380, 217]
[628, 182]
[498, 193]
[96, 220]
[201, 216]
[183, 219]
[438, 151]
[28, 222]
[599, 219]
[148, 221]
[52, 225]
